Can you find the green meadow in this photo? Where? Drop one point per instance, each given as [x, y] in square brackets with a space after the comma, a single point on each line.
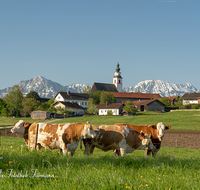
[173, 168]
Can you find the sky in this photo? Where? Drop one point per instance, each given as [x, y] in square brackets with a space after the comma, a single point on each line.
[81, 41]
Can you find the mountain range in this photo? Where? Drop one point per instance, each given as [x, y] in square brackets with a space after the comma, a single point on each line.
[48, 89]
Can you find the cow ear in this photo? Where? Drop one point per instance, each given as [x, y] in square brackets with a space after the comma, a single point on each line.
[142, 134]
[26, 124]
[153, 126]
[15, 123]
[167, 127]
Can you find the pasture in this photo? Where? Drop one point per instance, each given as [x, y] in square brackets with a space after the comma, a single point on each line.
[173, 168]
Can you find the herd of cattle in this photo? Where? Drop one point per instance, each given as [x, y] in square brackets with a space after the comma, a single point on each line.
[122, 138]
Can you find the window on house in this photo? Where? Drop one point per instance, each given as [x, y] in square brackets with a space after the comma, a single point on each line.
[85, 103]
[82, 103]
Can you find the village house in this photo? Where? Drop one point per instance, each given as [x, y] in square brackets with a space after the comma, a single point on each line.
[116, 108]
[69, 107]
[191, 98]
[80, 98]
[134, 96]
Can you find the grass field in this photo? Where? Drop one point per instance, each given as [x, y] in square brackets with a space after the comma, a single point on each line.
[177, 120]
[174, 168]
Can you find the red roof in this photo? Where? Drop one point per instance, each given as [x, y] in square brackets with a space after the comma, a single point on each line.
[144, 102]
[171, 97]
[135, 95]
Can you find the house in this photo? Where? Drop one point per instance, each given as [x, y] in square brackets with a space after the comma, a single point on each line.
[191, 98]
[116, 108]
[134, 96]
[40, 114]
[71, 107]
[149, 105]
[79, 98]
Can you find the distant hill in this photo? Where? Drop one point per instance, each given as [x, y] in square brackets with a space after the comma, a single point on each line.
[162, 87]
[44, 87]
[48, 89]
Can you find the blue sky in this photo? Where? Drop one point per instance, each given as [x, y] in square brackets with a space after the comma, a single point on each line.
[80, 41]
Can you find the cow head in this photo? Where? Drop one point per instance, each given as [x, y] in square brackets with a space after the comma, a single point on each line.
[88, 131]
[146, 140]
[161, 130]
[19, 128]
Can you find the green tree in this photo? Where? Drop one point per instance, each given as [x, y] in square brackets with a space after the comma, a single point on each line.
[33, 94]
[14, 100]
[2, 105]
[29, 105]
[109, 112]
[178, 102]
[87, 90]
[165, 101]
[91, 107]
[96, 97]
[46, 105]
[107, 97]
[129, 107]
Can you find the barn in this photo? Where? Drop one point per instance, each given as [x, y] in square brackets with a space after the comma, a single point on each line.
[40, 114]
[149, 105]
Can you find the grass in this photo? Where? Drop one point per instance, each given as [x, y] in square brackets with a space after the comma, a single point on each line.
[9, 121]
[177, 120]
[174, 168]
[182, 120]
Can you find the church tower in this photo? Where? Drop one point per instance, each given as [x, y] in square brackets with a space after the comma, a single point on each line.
[117, 79]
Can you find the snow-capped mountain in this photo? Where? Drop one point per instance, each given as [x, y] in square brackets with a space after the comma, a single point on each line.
[162, 87]
[48, 89]
[44, 87]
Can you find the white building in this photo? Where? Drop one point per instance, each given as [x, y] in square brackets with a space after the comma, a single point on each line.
[116, 108]
[117, 79]
[79, 98]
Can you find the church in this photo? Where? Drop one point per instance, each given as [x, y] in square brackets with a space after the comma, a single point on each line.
[115, 87]
[142, 101]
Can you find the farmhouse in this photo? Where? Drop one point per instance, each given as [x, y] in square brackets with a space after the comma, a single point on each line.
[149, 105]
[79, 98]
[70, 107]
[190, 98]
[116, 108]
[135, 96]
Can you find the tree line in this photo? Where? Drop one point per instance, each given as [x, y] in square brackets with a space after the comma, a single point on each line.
[14, 104]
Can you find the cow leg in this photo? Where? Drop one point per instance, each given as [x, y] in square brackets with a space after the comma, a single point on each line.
[122, 151]
[38, 147]
[154, 152]
[71, 153]
[116, 152]
[89, 150]
[81, 144]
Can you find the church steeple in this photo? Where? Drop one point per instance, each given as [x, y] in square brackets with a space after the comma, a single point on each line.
[117, 79]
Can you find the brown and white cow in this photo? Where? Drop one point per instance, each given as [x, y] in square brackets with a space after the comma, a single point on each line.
[59, 136]
[114, 137]
[21, 130]
[157, 134]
